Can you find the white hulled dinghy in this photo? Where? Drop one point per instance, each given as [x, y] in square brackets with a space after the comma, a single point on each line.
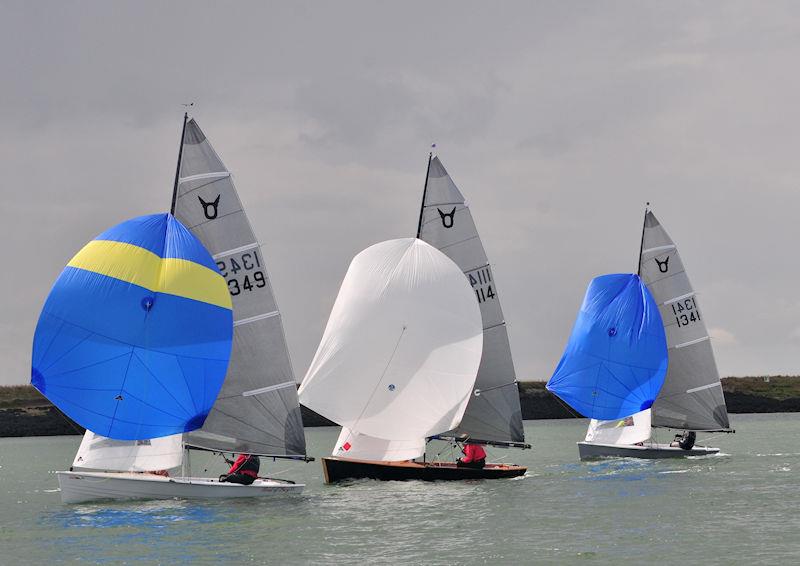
[691, 399]
[493, 415]
[257, 410]
[616, 359]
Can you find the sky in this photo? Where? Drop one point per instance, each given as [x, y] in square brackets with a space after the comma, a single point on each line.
[557, 120]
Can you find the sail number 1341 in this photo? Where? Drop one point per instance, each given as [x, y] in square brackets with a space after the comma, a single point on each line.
[685, 311]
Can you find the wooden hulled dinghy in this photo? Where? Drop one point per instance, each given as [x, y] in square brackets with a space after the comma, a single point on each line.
[338, 469]
[389, 450]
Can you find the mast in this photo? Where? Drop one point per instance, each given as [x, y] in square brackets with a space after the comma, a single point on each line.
[641, 244]
[424, 193]
[178, 166]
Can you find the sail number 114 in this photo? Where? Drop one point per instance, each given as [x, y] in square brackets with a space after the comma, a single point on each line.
[685, 311]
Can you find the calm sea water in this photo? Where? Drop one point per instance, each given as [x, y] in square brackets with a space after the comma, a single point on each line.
[740, 507]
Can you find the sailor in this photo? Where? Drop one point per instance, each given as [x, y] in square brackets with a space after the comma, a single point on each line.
[474, 457]
[244, 470]
[685, 440]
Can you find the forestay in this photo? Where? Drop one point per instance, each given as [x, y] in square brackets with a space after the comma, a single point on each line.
[616, 358]
[402, 346]
[493, 412]
[691, 397]
[630, 430]
[362, 447]
[106, 454]
[257, 411]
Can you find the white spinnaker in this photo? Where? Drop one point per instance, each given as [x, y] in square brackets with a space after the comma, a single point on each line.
[402, 347]
[630, 430]
[100, 453]
[362, 447]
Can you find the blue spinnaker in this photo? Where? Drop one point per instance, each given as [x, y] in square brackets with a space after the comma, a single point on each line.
[616, 358]
[134, 339]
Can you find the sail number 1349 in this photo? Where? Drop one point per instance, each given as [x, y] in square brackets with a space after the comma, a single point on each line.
[242, 273]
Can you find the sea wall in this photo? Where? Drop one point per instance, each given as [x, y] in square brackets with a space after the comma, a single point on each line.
[24, 412]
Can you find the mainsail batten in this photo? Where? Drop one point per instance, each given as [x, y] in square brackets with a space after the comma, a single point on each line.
[689, 398]
[493, 413]
[268, 423]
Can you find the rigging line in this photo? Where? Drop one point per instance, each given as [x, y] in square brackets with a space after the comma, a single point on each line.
[77, 428]
[375, 389]
[569, 409]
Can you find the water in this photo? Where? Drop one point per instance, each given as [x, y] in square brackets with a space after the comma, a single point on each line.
[739, 507]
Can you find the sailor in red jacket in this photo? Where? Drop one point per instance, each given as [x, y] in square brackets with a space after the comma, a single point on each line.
[474, 457]
[244, 470]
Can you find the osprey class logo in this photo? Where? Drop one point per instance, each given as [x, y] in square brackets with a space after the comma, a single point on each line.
[447, 217]
[210, 209]
[663, 266]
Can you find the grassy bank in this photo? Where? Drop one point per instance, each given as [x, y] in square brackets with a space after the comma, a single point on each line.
[25, 412]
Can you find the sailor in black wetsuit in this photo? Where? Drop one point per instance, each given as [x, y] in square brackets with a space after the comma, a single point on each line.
[685, 440]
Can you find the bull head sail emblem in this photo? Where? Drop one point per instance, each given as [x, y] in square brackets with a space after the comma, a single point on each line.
[210, 209]
[447, 217]
[663, 266]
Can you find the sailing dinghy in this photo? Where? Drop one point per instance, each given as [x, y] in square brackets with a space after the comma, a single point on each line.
[493, 415]
[689, 397]
[257, 410]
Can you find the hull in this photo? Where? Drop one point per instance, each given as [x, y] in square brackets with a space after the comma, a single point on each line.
[591, 450]
[337, 469]
[79, 487]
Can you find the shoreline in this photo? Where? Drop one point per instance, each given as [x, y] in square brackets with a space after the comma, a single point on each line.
[24, 412]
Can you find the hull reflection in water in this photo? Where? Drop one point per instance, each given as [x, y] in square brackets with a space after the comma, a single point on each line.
[337, 469]
[80, 487]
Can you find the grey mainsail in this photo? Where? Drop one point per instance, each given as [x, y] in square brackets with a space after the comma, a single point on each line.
[493, 413]
[257, 411]
[691, 397]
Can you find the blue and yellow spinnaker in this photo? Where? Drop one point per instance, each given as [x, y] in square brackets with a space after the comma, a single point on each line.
[135, 337]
